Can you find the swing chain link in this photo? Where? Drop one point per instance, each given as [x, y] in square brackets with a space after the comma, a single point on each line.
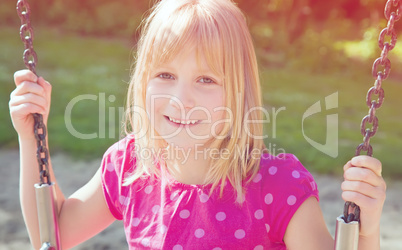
[376, 90]
[380, 75]
[30, 60]
[27, 35]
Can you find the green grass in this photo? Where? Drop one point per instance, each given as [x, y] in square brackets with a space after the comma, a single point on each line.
[99, 67]
[75, 67]
[297, 91]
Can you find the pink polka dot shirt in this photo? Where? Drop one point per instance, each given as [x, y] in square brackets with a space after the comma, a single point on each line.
[160, 214]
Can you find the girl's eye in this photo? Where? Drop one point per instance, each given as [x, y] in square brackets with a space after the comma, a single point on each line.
[206, 80]
[165, 76]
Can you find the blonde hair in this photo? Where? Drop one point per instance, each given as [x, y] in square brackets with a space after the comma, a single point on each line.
[218, 31]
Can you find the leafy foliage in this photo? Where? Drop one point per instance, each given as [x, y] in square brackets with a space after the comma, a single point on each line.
[307, 49]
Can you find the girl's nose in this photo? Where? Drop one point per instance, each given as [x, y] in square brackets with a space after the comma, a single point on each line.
[183, 97]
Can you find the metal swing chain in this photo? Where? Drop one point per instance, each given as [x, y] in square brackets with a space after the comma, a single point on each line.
[379, 75]
[30, 60]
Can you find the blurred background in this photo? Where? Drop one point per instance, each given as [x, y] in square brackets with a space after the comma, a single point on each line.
[307, 50]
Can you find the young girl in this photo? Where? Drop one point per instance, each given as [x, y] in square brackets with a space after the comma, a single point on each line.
[193, 172]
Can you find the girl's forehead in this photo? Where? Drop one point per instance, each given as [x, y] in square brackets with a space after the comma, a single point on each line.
[188, 29]
[189, 55]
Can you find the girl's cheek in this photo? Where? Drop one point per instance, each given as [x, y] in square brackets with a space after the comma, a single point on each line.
[151, 93]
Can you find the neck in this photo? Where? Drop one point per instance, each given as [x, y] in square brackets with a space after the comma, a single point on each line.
[188, 166]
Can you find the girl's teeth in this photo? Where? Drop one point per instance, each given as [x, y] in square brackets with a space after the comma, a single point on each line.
[183, 122]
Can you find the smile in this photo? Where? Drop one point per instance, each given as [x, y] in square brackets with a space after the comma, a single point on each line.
[184, 122]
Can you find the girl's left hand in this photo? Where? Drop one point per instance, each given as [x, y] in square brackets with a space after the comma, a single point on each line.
[365, 186]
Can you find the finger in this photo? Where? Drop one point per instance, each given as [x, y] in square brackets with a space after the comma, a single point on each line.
[364, 175]
[24, 75]
[347, 166]
[29, 98]
[25, 109]
[28, 87]
[364, 189]
[367, 162]
[360, 199]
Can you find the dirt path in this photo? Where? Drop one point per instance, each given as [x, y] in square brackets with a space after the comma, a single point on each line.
[73, 174]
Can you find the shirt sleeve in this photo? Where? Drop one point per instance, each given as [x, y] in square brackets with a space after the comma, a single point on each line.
[289, 184]
[114, 168]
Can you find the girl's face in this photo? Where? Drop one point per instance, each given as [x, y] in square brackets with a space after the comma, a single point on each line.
[185, 101]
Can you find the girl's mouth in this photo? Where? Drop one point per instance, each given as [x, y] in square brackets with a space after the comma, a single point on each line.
[181, 122]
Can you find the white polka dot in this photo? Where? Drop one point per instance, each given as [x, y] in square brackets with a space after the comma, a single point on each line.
[135, 222]
[110, 167]
[257, 178]
[124, 200]
[148, 189]
[204, 198]
[177, 247]
[296, 174]
[174, 196]
[162, 229]
[155, 209]
[259, 214]
[259, 247]
[199, 233]
[184, 214]
[268, 199]
[220, 216]
[145, 242]
[272, 170]
[291, 200]
[217, 248]
[267, 227]
[240, 234]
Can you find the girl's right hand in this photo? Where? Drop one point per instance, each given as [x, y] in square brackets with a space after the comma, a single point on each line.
[31, 95]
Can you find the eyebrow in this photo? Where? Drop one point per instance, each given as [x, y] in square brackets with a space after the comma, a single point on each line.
[201, 71]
